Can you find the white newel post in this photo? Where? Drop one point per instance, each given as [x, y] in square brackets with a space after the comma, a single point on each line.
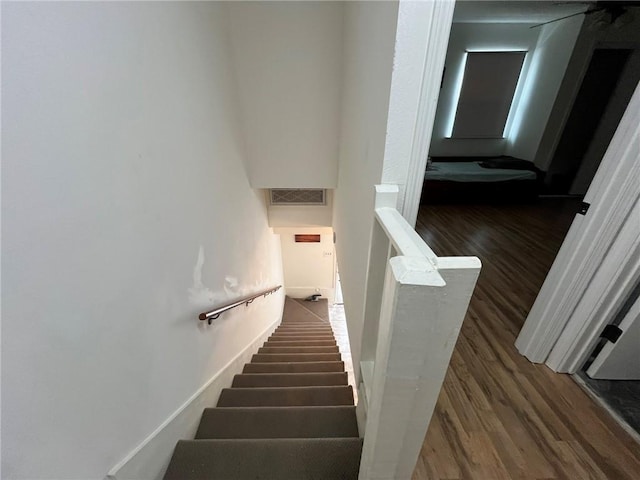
[421, 312]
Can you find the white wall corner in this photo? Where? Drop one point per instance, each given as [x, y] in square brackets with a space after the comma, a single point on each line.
[150, 458]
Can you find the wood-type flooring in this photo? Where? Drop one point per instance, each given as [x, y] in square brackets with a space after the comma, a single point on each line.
[500, 416]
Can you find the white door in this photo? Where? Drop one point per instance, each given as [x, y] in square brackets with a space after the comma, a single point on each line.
[621, 360]
[553, 333]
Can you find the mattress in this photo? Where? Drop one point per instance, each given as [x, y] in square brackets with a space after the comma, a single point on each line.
[473, 172]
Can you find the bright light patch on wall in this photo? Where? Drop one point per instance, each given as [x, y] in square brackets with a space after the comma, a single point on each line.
[517, 99]
[519, 107]
[486, 94]
[456, 96]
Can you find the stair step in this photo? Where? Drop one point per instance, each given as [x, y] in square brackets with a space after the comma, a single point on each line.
[251, 459]
[306, 324]
[295, 357]
[285, 396]
[270, 349]
[297, 333]
[300, 338]
[304, 330]
[320, 308]
[302, 343]
[274, 340]
[311, 320]
[278, 422]
[289, 379]
[294, 311]
[293, 367]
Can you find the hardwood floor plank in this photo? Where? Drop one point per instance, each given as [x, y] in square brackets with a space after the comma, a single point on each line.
[498, 415]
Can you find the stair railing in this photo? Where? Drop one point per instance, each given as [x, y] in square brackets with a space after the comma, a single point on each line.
[414, 308]
[216, 312]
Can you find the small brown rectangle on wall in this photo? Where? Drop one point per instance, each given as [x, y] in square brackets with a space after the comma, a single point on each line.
[307, 238]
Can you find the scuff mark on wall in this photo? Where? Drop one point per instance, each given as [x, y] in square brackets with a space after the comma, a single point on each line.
[230, 285]
[199, 294]
[202, 296]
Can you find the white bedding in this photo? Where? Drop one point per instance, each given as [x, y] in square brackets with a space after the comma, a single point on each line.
[473, 172]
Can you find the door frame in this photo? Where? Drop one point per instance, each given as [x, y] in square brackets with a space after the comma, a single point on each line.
[423, 38]
[612, 361]
[580, 270]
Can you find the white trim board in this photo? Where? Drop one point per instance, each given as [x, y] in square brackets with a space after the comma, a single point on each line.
[422, 38]
[150, 458]
[591, 238]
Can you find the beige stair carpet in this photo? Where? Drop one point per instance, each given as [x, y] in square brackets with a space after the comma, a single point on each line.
[289, 415]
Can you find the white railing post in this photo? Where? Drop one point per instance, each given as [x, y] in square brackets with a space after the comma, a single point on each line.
[423, 303]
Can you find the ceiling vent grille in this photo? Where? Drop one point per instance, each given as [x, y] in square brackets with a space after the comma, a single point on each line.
[298, 196]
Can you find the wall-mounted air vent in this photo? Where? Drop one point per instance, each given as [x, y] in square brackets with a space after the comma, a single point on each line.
[298, 196]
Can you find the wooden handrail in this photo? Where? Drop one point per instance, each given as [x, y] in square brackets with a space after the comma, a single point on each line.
[215, 313]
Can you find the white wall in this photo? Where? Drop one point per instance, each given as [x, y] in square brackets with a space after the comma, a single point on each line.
[288, 63]
[125, 211]
[475, 36]
[548, 65]
[308, 267]
[370, 29]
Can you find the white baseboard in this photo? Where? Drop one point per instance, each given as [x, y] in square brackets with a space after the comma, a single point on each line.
[150, 459]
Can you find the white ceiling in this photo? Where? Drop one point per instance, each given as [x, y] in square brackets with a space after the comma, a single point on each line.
[480, 11]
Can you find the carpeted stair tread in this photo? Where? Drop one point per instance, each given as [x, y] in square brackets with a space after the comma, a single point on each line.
[293, 367]
[302, 343]
[266, 459]
[278, 422]
[300, 338]
[301, 312]
[295, 357]
[304, 325]
[289, 415]
[304, 331]
[298, 333]
[289, 379]
[285, 396]
[271, 349]
[295, 312]
[319, 308]
[293, 338]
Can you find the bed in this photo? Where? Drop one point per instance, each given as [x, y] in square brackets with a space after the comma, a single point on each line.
[494, 180]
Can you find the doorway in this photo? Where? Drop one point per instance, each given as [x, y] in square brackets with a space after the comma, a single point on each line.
[573, 165]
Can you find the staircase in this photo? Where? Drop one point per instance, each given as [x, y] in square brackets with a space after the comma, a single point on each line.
[289, 415]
